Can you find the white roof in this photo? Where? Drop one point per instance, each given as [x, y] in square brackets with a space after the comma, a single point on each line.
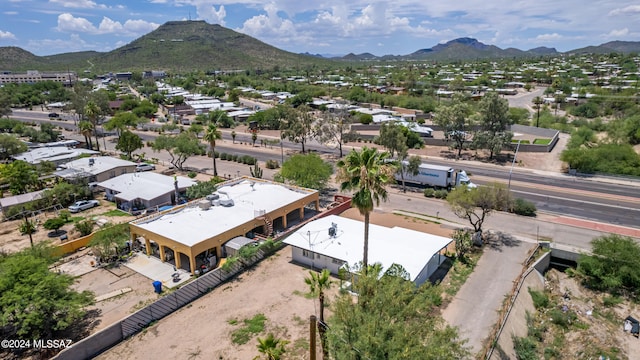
[20, 199]
[192, 225]
[56, 153]
[100, 165]
[387, 246]
[144, 185]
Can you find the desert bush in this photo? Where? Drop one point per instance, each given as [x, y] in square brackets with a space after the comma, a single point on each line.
[540, 299]
[84, 227]
[272, 164]
[429, 192]
[524, 207]
[441, 194]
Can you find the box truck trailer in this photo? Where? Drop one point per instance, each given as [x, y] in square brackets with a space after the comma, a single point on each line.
[436, 176]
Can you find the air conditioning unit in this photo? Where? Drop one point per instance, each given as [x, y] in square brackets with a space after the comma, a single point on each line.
[213, 197]
[226, 202]
[204, 204]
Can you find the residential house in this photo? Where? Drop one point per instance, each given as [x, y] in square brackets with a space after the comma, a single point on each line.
[335, 242]
[95, 169]
[144, 190]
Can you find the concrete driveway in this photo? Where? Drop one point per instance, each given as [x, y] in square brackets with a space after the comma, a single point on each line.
[474, 310]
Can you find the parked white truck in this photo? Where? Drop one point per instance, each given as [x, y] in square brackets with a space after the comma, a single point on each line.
[436, 176]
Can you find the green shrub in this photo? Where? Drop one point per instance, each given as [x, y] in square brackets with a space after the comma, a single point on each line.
[525, 347]
[429, 192]
[272, 164]
[192, 174]
[217, 154]
[540, 299]
[441, 194]
[612, 300]
[223, 156]
[524, 207]
[234, 157]
[84, 227]
[562, 319]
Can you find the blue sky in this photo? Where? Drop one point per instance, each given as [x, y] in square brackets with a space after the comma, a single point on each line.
[46, 27]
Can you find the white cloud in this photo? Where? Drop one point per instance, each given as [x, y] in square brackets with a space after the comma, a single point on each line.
[618, 33]
[57, 46]
[69, 23]
[11, 13]
[210, 14]
[77, 4]
[269, 25]
[6, 35]
[549, 37]
[629, 10]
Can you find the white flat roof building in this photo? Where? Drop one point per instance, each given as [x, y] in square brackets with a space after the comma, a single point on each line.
[97, 168]
[56, 154]
[418, 252]
[192, 225]
[145, 185]
[237, 208]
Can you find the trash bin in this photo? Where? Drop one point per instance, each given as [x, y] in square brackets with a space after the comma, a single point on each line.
[157, 286]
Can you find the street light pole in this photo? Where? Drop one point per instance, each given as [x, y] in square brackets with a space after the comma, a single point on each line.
[513, 163]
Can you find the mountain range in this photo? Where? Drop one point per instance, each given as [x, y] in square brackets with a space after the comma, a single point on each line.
[183, 46]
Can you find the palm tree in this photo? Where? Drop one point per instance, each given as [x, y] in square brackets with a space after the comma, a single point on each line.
[27, 227]
[318, 283]
[211, 135]
[92, 111]
[271, 347]
[537, 101]
[367, 172]
[86, 128]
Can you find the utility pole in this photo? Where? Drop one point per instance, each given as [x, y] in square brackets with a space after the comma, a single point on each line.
[513, 163]
[312, 337]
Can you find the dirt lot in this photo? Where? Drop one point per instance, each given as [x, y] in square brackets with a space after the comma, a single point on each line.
[11, 240]
[274, 288]
[601, 328]
[105, 281]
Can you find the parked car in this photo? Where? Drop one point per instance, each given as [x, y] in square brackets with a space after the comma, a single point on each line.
[54, 115]
[83, 205]
[145, 167]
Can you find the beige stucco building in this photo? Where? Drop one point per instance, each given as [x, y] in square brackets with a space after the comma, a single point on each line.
[192, 233]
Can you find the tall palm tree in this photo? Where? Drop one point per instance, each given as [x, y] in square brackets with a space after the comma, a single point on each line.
[86, 128]
[367, 172]
[92, 111]
[318, 283]
[212, 134]
[537, 101]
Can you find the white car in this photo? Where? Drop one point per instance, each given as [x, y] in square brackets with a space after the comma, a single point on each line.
[83, 205]
[145, 167]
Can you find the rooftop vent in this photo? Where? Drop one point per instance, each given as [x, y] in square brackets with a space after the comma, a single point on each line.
[204, 204]
[91, 161]
[333, 230]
